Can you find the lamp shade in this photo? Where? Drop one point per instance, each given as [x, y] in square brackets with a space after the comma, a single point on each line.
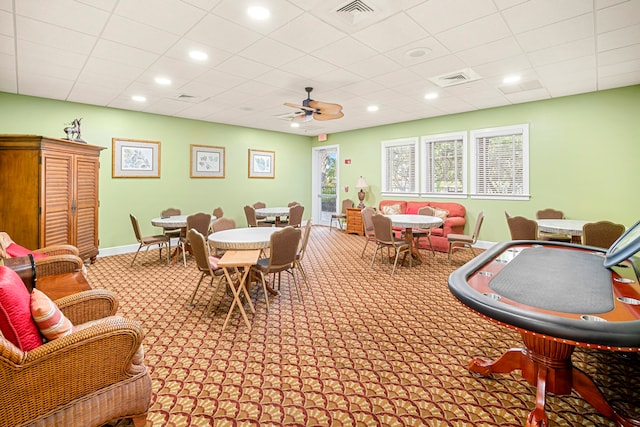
[362, 183]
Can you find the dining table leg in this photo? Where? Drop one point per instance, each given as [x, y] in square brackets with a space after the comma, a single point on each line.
[415, 253]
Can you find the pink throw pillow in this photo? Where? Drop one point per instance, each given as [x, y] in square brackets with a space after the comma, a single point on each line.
[16, 322]
[14, 251]
[50, 320]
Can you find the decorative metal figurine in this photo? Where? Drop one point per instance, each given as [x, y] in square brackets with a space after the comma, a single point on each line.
[73, 131]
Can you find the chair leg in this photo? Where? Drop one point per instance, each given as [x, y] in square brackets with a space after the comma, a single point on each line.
[264, 289]
[303, 274]
[195, 291]
[365, 247]
[136, 255]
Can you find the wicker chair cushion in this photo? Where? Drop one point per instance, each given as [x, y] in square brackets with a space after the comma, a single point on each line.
[50, 320]
[14, 250]
[16, 323]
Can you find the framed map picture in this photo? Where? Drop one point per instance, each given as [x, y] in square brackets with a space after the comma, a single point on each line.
[134, 158]
[262, 164]
[207, 161]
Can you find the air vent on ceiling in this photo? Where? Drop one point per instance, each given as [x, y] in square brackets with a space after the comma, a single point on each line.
[457, 77]
[356, 11]
[189, 98]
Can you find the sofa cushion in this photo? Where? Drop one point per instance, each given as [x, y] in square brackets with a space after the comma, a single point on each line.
[440, 213]
[50, 320]
[14, 250]
[16, 323]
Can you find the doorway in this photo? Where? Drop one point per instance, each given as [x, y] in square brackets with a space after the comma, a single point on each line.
[325, 183]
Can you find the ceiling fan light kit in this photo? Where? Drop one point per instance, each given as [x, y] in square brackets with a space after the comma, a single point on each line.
[315, 110]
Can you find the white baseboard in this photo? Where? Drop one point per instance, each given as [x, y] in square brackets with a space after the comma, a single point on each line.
[127, 249]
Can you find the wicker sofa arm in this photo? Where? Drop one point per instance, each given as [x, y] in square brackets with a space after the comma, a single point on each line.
[97, 356]
[58, 264]
[58, 250]
[88, 305]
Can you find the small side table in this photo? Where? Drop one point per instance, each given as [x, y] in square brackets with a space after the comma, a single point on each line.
[354, 222]
[230, 262]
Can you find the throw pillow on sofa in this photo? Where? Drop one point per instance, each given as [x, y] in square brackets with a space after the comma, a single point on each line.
[16, 323]
[391, 210]
[50, 320]
[441, 213]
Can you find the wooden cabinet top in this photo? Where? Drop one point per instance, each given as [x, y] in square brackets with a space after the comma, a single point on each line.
[36, 142]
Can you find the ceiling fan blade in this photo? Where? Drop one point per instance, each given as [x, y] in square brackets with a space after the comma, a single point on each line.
[302, 107]
[326, 107]
[324, 116]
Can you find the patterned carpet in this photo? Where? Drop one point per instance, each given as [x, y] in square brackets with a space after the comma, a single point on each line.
[362, 348]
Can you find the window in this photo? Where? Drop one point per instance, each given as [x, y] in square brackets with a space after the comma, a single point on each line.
[399, 161]
[500, 162]
[444, 164]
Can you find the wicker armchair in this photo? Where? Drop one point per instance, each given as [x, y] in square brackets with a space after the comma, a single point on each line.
[87, 378]
[59, 258]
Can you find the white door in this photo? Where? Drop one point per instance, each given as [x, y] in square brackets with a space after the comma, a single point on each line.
[326, 183]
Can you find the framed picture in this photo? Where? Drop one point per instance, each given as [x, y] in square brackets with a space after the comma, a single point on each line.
[207, 161]
[134, 158]
[262, 164]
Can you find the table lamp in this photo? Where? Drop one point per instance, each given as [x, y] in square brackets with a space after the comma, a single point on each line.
[362, 185]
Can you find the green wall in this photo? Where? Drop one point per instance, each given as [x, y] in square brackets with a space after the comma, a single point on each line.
[584, 153]
[146, 197]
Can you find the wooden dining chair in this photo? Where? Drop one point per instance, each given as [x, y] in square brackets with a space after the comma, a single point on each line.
[200, 221]
[146, 241]
[550, 213]
[283, 250]
[462, 241]
[341, 216]
[218, 212]
[369, 232]
[295, 217]
[207, 265]
[221, 224]
[171, 231]
[260, 205]
[419, 233]
[386, 238]
[301, 252]
[601, 234]
[522, 228]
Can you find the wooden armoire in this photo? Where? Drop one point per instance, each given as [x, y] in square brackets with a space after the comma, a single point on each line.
[49, 191]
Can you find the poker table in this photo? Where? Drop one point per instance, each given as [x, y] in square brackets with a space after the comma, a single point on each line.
[558, 296]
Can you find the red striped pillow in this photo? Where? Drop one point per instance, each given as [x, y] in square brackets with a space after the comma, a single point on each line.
[50, 320]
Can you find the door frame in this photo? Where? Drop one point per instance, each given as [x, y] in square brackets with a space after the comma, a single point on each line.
[316, 206]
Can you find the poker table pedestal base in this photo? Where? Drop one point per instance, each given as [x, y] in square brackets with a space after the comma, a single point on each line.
[546, 365]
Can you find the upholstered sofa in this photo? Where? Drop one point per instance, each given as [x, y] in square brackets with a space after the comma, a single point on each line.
[453, 223]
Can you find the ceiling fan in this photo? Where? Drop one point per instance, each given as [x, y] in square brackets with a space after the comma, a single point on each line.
[317, 110]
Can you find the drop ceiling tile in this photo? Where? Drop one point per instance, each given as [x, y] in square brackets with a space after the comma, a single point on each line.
[308, 33]
[263, 52]
[418, 51]
[222, 34]
[61, 13]
[350, 50]
[6, 5]
[490, 52]
[54, 36]
[619, 80]
[437, 16]
[167, 107]
[373, 66]
[7, 45]
[284, 80]
[130, 33]
[556, 34]
[180, 51]
[540, 13]
[217, 78]
[90, 94]
[397, 77]
[203, 4]
[6, 24]
[619, 68]
[438, 66]
[391, 33]
[528, 96]
[619, 38]
[500, 69]
[281, 14]
[111, 70]
[615, 56]
[174, 70]
[308, 66]
[618, 16]
[243, 67]
[476, 33]
[130, 56]
[38, 84]
[162, 17]
[559, 53]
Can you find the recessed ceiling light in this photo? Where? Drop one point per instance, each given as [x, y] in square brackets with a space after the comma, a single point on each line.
[417, 52]
[139, 98]
[372, 108]
[295, 125]
[511, 79]
[198, 55]
[163, 81]
[259, 12]
[431, 95]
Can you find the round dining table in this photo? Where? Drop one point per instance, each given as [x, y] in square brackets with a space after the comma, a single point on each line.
[276, 212]
[572, 227]
[409, 222]
[175, 221]
[244, 239]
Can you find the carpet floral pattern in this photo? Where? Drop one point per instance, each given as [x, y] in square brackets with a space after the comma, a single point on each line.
[362, 348]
